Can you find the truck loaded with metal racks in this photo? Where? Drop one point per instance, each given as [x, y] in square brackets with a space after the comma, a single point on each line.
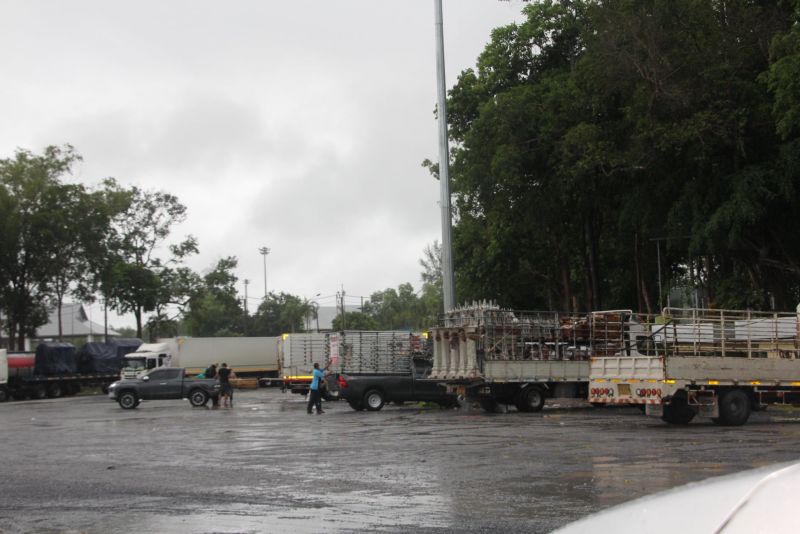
[354, 352]
[497, 356]
[722, 364]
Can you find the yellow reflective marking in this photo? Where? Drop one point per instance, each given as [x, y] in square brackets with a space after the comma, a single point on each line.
[668, 381]
[652, 380]
[599, 379]
[615, 380]
[713, 382]
[794, 383]
[755, 382]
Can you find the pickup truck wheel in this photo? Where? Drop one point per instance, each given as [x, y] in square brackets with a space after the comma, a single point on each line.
[734, 408]
[530, 399]
[198, 398]
[128, 400]
[374, 400]
[488, 404]
[357, 406]
[54, 390]
[38, 392]
[3, 394]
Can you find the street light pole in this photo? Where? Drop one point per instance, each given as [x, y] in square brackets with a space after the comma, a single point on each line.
[246, 282]
[448, 283]
[264, 251]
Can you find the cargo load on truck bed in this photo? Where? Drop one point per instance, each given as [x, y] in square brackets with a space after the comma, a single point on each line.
[718, 363]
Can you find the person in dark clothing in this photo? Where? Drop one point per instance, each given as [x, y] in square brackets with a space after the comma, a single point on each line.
[226, 391]
[211, 371]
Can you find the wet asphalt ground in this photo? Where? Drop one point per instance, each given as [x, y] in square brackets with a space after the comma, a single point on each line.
[83, 464]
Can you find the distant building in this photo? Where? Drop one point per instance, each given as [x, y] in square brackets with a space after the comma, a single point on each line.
[325, 317]
[76, 328]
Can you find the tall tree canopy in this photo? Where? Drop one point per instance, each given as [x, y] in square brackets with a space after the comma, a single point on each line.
[33, 232]
[136, 278]
[597, 132]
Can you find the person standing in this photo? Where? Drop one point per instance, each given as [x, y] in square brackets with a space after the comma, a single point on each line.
[211, 371]
[225, 390]
[315, 391]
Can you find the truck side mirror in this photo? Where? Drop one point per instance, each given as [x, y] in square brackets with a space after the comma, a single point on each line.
[145, 378]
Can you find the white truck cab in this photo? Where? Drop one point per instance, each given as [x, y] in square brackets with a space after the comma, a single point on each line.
[147, 356]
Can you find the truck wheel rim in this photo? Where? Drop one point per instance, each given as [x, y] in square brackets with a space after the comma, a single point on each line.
[374, 400]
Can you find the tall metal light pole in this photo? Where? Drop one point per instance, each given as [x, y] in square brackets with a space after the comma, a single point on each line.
[264, 251]
[444, 167]
[246, 282]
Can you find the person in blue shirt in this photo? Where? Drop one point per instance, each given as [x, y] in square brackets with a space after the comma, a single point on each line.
[315, 394]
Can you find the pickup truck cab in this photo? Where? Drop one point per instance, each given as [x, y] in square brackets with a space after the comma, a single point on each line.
[372, 391]
[163, 383]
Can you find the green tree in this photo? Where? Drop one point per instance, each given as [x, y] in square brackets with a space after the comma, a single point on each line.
[32, 235]
[592, 128]
[131, 282]
[431, 299]
[214, 307]
[81, 224]
[396, 309]
[280, 313]
[354, 321]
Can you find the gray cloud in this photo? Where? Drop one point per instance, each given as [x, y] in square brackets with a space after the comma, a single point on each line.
[296, 125]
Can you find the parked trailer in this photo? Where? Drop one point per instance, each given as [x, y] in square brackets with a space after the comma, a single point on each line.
[249, 357]
[721, 364]
[499, 356]
[50, 372]
[297, 354]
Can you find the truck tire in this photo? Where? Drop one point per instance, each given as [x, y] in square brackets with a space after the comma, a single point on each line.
[4, 395]
[128, 400]
[198, 398]
[357, 406]
[488, 404]
[19, 394]
[678, 412]
[734, 408]
[54, 390]
[37, 393]
[374, 400]
[530, 399]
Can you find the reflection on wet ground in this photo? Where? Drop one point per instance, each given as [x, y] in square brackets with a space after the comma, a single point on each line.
[83, 464]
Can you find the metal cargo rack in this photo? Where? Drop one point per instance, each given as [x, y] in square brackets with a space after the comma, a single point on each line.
[385, 352]
[726, 333]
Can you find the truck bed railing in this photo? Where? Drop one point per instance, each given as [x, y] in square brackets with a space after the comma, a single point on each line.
[471, 335]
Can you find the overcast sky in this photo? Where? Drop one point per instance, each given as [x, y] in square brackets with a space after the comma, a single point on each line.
[296, 125]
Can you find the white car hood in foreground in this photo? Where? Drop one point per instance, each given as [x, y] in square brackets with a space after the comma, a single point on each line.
[761, 500]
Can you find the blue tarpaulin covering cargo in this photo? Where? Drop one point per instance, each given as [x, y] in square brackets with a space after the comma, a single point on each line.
[95, 357]
[124, 345]
[55, 359]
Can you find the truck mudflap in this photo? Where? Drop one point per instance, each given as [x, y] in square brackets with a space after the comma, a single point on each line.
[654, 410]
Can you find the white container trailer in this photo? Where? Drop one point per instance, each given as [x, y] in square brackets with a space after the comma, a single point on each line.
[297, 354]
[749, 361]
[249, 357]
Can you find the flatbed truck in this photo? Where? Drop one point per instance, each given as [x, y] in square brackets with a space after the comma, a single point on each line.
[496, 356]
[688, 362]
